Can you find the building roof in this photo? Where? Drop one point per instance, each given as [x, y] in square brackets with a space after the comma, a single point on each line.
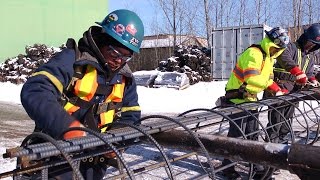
[166, 40]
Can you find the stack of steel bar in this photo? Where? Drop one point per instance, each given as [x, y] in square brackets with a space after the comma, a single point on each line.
[196, 129]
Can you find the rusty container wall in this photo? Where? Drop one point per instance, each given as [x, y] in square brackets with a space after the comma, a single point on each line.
[228, 43]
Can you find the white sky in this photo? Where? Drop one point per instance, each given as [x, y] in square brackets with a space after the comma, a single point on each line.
[152, 100]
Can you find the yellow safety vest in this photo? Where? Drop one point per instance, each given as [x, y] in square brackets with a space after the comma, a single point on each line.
[86, 87]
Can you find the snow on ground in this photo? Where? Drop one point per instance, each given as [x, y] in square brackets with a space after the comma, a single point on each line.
[152, 100]
[169, 100]
[10, 92]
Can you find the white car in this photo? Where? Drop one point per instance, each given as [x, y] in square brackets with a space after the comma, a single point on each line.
[158, 79]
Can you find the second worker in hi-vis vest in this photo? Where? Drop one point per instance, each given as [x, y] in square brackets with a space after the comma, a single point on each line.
[294, 70]
[252, 74]
[88, 83]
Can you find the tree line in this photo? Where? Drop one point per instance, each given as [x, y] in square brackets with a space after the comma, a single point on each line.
[199, 17]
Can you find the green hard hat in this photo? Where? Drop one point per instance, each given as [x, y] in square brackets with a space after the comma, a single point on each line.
[126, 27]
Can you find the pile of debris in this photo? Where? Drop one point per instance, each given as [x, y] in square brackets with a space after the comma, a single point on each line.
[192, 61]
[16, 70]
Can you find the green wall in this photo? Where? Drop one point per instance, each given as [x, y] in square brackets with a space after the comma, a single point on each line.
[51, 22]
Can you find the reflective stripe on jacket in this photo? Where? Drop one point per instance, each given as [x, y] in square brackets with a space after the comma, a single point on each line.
[115, 96]
[303, 66]
[254, 70]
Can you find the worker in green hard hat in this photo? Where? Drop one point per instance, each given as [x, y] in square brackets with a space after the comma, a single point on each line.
[88, 84]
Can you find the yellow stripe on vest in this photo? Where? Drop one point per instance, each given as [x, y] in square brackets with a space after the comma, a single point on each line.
[132, 108]
[304, 68]
[52, 78]
[115, 96]
[84, 88]
[70, 108]
[87, 86]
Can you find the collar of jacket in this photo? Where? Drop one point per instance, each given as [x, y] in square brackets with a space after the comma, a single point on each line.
[266, 44]
[87, 43]
[87, 59]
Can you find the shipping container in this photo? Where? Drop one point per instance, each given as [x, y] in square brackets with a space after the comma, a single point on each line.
[228, 43]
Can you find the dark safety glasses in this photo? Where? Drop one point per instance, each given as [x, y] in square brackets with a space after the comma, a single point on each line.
[117, 55]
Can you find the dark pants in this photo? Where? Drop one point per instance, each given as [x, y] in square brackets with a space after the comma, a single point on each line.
[247, 125]
[278, 132]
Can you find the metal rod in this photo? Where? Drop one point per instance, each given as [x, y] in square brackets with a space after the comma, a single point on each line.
[269, 154]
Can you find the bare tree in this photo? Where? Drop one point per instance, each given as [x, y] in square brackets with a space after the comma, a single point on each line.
[267, 13]
[216, 15]
[169, 8]
[242, 12]
[183, 18]
[297, 8]
[299, 15]
[258, 4]
[230, 7]
[155, 28]
[221, 12]
[317, 11]
[309, 10]
[208, 26]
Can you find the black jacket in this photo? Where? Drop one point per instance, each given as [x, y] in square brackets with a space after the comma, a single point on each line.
[289, 59]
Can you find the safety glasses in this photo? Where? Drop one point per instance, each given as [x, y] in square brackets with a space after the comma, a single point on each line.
[285, 38]
[117, 55]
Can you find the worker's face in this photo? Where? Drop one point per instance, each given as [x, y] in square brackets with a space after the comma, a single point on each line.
[308, 46]
[115, 56]
[273, 50]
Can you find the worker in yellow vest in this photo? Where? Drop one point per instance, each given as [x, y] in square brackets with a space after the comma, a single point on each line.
[88, 83]
[252, 74]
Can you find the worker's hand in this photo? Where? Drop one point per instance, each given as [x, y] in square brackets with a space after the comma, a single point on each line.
[282, 92]
[74, 133]
[110, 155]
[301, 77]
[274, 88]
[221, 101]
[313, 82]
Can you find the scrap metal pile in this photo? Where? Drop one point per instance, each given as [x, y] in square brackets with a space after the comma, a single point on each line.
[17, 69]
[191, 60]
[201, 133]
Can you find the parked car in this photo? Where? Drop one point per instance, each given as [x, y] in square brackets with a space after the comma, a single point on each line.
[158, 79]
[145, 78]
